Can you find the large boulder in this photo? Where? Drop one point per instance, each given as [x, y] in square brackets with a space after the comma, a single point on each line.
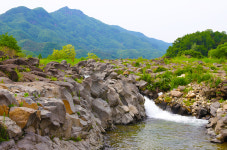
[6, 100]
[24, 117]
[12, 128]
[103, 111]
[9, 71]
[53, 110]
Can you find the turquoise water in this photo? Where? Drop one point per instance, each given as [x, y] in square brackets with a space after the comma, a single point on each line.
[172, 132]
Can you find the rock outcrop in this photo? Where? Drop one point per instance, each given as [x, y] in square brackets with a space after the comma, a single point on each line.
[65, 114]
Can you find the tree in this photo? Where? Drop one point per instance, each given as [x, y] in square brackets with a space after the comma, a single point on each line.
[199, 41]
[67, 52]
[219, 52]
[10, 42]
[40, 56]
[92, 56]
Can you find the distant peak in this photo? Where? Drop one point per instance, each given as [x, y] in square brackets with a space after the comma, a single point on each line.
[20, 9]
[67, 11]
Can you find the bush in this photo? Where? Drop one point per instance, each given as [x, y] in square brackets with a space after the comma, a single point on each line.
[219, 52]
[191, 53]
[159, 69]
[4, 136]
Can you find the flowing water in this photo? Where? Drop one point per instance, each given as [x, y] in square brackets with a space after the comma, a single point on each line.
[162, 131]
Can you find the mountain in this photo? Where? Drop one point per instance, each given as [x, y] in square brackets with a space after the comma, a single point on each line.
[38, 31]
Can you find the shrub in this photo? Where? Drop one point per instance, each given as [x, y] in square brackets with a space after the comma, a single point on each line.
[159, 69]
[4, 136]
[175, 82]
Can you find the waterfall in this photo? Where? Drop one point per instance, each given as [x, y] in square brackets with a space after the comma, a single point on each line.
[154, 111]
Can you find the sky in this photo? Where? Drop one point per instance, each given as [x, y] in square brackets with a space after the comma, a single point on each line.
[161, 19]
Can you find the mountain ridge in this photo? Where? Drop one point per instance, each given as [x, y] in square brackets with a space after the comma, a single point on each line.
[40, 32]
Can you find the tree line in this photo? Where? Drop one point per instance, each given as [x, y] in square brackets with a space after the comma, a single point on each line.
[200, 44]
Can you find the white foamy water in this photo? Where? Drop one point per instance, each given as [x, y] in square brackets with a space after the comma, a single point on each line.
[154, 111]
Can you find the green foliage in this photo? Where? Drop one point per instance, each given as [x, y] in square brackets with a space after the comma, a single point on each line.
[53, 78]
[21, 104]
[221, 100]
[77, 139]
[26, 94]
[67, 52]
[40, 32]
[200, 42]
[191, 53]
[219, 52]
[4, 136]
[92, 56]
[40, 56]
[10, 42]
[78, 80]
[159, 69]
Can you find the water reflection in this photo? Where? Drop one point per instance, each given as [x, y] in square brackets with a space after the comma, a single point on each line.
[161, 134]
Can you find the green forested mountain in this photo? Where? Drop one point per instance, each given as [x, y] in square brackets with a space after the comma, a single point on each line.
[197, 43]
[40, 32]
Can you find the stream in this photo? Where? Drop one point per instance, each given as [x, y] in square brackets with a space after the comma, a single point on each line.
[162, 131]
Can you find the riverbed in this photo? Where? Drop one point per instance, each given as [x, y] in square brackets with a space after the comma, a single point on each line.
[162, 131]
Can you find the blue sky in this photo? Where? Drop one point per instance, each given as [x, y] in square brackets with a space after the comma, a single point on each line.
[161, 19]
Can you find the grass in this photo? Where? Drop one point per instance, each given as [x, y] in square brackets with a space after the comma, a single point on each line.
[53, 78]
[159, 69]
[21, 104]
[45, 61]
[4, 136]
[77, 139]
[78, 80]
[179, 60]
[26, 94]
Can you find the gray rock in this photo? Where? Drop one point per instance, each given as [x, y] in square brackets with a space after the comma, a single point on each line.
[176, 94]
[103, 111]
[7, 98]
[13, 129]
[112, 97]
[54, 110]
[5, 80]
[8, 145]
[214, 107]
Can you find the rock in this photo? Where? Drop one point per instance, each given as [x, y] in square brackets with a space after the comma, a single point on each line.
[23, 116]
[38, 73]
[202, 112]
[191, 95]
[99, 89]
[141, 84]
[6, 99]
[181, 88]
[5, 80]
[213, 108]
[34, 141]
[176, 94]
[53, 109]
[103, 111]
[82, 63]
[8, 145]
[9, 71]
[16, 62]
[33, 61]
[13, 129]
[112, 97]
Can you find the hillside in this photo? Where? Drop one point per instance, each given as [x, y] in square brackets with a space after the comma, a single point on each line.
[198, 44]
[38, 31]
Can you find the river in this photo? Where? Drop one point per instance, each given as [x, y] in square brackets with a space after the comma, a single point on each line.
[162, 131]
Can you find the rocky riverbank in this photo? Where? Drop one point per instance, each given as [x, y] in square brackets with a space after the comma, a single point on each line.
[72, 112]
[59, 106]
